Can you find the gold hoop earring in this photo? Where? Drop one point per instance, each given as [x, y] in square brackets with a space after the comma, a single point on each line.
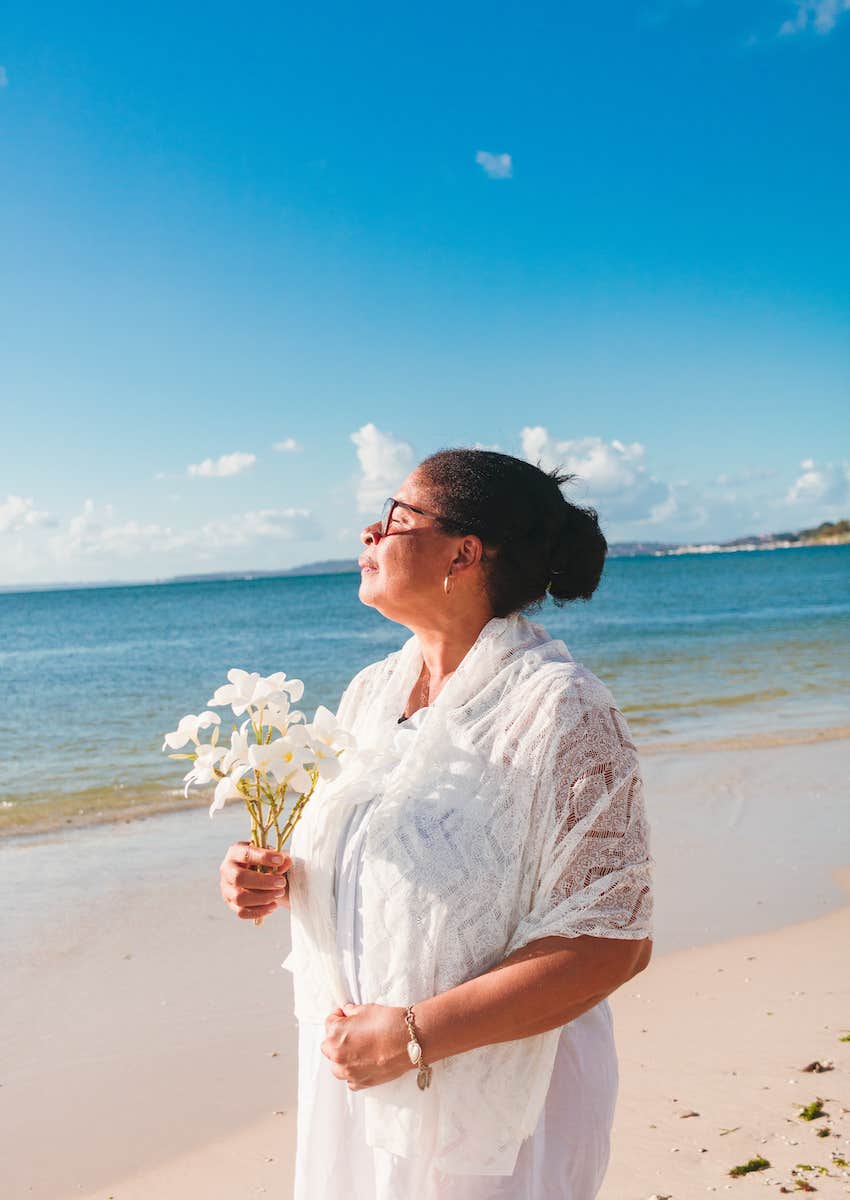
[447, 584]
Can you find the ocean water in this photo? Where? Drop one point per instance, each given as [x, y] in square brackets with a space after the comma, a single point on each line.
[693, 647]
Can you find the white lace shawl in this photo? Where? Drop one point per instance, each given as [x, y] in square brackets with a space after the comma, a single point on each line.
[515, 813]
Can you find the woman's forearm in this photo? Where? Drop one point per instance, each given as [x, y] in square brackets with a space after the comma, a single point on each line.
[543, 985]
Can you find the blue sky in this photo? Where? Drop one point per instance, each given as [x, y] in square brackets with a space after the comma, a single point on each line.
[613, 237]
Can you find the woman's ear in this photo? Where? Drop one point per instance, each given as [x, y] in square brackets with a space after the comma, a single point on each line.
[471, 551]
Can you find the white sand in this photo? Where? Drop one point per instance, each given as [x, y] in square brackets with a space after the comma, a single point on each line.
[723, 1031]
[147, 1036]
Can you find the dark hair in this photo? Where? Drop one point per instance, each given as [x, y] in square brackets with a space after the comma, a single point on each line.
[531, 533]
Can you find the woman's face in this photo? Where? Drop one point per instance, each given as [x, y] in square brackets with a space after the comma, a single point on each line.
[402, 574]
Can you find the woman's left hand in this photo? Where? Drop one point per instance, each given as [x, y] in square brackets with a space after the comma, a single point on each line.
[366, 1044]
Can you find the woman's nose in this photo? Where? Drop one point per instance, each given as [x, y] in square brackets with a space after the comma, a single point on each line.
[370, 534]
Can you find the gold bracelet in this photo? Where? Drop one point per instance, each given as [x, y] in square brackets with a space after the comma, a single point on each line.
[414, 1052]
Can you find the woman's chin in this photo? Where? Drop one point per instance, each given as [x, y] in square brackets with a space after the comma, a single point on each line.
[369, 585]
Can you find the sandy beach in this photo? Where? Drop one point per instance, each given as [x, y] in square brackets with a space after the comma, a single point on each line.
[148, 1039]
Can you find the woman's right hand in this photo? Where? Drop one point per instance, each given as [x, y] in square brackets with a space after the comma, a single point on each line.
[246, 890]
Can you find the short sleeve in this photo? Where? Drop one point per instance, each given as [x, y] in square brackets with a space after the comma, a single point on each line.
[594, 874]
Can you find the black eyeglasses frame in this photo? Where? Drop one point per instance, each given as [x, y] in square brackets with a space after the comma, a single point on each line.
[387, 512]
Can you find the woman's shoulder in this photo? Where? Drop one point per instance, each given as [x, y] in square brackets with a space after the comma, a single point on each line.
[548, 671]
[579, 714]
[569, 683]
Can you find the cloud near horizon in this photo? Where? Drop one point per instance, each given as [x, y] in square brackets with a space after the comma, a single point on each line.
[385, 462]
[95, 532]
[97, 535]
[18, 513]
[827, 485]
[634, 504]
[227, 464]
[610, 475]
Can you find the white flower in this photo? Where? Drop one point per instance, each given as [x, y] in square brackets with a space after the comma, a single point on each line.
[278, 715]
[235, 761]
[252, 690]
[327, 738]
[295, 687]
[283, 759]
[187, 730]
[203, 770]
[226, 789]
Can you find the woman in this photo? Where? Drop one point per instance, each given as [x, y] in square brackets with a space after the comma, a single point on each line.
[476, 881]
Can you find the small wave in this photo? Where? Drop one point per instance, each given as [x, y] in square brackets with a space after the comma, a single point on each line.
[751, 741]
[699, 702]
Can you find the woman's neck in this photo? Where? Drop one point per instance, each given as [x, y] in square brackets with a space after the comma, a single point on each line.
[443, 650]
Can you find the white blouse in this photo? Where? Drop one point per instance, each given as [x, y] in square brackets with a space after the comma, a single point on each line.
[512, 813]
[352, 843]
[564, 1159]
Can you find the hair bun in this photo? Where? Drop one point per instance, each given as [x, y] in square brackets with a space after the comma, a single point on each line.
[578, 555]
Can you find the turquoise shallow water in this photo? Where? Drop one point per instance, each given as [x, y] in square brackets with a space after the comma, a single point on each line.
[693, 647]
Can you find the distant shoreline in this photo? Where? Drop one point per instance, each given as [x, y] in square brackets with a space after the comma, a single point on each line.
[349, 567]
[748, 547]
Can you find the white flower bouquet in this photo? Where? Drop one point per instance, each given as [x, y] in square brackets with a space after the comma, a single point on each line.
[275, 757]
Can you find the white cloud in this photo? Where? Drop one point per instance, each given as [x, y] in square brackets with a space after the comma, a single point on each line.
[828, 485]
[93, 532]
[613, 475]
[18, 513]
[227, 464]
[820, 15]
[497, 166]
[4, 77]
[385, 462]
[97, 531]
[96, 543]
[288, 445]
[665, 510]
[284, 524]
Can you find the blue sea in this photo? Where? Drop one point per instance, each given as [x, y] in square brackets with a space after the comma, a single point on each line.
[694, 647]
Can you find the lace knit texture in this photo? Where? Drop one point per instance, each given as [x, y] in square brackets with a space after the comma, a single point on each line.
[516, 813]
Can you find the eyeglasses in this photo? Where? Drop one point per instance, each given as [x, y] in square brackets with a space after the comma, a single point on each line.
[387, 512]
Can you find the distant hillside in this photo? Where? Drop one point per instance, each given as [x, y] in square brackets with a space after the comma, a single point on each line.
[329, 566]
